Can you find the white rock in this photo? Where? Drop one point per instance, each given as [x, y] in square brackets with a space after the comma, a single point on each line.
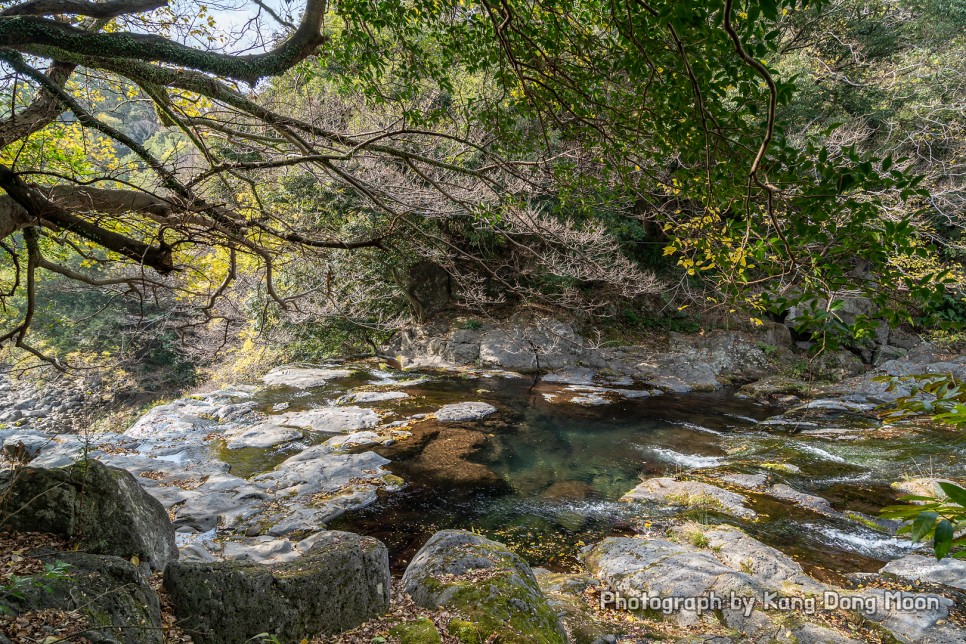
[334, 420]
[264, 434]
[464, 411]
[949, 571]
[302, 378]
[372, 396]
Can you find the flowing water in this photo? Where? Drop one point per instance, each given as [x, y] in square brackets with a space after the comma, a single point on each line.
[546, 477]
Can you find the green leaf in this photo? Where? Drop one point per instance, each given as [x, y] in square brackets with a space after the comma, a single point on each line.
[943, 539]
[955, 493]
[923, 525]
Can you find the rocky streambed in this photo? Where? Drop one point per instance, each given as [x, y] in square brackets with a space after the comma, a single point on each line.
[592, 476]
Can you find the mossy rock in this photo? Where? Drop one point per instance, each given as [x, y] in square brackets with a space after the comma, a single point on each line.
[340, 583]
[467, 632]
[111, 593]
[486, 582]
[420, 631]
[104, 508]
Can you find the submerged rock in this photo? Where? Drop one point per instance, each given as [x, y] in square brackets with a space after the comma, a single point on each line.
[690, 494]
[338, 584]
[463, 411]
[485, 581]
[104, 508]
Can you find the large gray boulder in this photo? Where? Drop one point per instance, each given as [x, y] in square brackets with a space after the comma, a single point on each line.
[341, 582]
[110, 592]
[104, 508]
[541, 345]
[485, 581]
[668, 571]
[658, 568]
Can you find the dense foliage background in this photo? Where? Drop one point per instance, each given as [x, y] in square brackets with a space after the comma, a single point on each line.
[615, 162]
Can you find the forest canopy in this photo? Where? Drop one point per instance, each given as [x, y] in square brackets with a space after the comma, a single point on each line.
[221, 183]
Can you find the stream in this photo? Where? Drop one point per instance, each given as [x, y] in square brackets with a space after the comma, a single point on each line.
[546, 476]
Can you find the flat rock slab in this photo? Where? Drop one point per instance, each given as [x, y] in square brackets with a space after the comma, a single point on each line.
[655, 567]
[747, 481]
[302, 378]
[464, 411]
[317, 470]
[690, 493]
[948, 572]
[371, 396]
[266, 434]
[334, 420]
[572, 376]
[667, 570]
[808, 501]
[739, 551]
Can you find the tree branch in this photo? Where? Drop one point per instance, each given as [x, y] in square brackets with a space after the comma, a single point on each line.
[82, 8]
[19, 32]
[39, 207]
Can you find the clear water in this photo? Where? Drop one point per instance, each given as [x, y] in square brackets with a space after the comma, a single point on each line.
[555, 471]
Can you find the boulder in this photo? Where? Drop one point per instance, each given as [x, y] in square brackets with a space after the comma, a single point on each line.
[566, 594]
[542, 345]
[104, 508]
[657, 568]
[119, 606]
[341, 582]
[419, 631]
[487, 583]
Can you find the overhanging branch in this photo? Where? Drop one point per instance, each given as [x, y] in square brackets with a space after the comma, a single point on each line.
[20, 32]
[82, 8]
